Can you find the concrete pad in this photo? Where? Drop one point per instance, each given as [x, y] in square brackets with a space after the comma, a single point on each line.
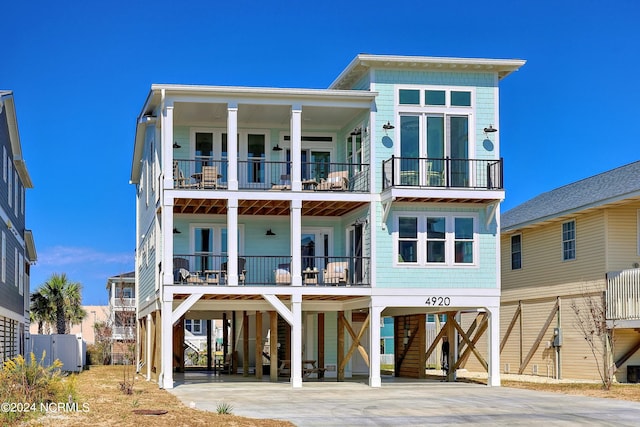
[401, 402]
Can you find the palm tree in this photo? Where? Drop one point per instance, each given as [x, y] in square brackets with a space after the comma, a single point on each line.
[41, 310]
[66, 299]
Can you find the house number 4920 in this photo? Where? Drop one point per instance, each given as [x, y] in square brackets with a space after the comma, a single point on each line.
[439, 301]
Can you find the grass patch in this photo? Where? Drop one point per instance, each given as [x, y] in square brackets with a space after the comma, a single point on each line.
[99, 389]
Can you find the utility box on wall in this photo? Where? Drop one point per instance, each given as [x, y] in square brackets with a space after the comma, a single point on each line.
[557, 337]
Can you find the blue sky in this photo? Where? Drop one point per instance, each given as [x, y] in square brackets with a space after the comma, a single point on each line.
[80, 71]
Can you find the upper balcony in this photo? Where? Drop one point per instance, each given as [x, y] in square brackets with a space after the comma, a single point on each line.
[474, 174]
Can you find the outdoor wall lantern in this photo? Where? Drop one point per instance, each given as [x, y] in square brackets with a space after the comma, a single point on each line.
[269, 233]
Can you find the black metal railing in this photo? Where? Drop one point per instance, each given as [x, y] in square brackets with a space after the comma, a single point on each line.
[260, 174]
[204, 173]
[444, 173]
[273, 270]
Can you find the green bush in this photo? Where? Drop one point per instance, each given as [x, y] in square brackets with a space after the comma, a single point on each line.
[30, 383]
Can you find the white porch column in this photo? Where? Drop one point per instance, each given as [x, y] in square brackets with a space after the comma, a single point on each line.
[148, 352]
[375, 313]
[296, 237]
[232, 242]
[296, 147]
[494, 347]
[296, 341]
[167, 342]
[166, 132]
[166, 221]
[232, 145]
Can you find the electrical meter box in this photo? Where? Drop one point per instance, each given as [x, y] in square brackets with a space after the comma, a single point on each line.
[557, 337]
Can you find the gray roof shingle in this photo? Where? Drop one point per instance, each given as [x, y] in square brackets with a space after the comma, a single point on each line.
[589, 192]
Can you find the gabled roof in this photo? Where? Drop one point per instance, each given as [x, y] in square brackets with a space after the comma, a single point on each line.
[362, 63]
[602, 189]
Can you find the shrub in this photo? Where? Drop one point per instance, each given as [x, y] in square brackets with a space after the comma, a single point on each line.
[30, 382]
[224, 408]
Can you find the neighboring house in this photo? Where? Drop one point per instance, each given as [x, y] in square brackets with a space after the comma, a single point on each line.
[95, 313]
[580, 240]
[17, 247]
[122, 316]
[300, 217]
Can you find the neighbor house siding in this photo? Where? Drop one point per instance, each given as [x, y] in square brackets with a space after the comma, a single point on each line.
[622, 237]
[542, 264]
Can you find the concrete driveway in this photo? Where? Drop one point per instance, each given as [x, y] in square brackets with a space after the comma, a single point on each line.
[401, 402]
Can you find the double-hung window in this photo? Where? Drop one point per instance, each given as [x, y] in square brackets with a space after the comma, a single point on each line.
[569, 240]
[408, 239]
[437, 239]
[193, 326]
[516, 252]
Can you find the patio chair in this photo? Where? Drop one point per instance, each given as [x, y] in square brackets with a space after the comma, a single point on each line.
[179, 180]
[285, 183]
[336, 273]
[282, 276]
[209, 177]
[338, 180]
[242, 272]
[180, 270]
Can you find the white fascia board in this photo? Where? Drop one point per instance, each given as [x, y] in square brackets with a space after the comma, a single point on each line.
[14, 138]
[175, 91]
[30, 244]
[503, 67]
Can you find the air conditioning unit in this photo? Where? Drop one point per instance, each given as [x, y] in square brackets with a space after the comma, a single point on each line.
[507, 368]
[534, 369]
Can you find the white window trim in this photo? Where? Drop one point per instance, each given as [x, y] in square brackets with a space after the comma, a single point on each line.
[449, 240]
[435, 108]
[575, 241]
[511, 252]
[217, 236]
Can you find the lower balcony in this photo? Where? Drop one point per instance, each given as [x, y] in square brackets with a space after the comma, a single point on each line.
[442, 173]
[211, 270]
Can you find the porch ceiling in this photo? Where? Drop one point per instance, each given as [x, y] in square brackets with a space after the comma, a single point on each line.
[211, 114]
[264, 207]
[258, 297]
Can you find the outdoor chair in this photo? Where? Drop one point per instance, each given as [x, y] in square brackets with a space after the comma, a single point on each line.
[282, 276]
[285, 183]
[338, 180]
[336, 273]
[180, 270]
[242, 272]
[209, 177]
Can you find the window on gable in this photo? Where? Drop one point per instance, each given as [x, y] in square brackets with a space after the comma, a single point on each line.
[460, 99]
[409, 96]
[435, 97]
[516, 252]
[569, 240]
